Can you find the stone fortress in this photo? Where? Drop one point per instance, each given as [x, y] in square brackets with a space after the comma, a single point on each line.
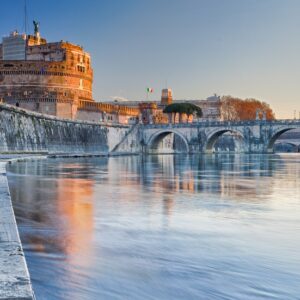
[51, 78]
[56, 78]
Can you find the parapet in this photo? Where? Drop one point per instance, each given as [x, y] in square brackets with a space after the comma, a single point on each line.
[107, 108]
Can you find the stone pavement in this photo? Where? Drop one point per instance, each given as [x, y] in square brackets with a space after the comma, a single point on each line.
[14, 277]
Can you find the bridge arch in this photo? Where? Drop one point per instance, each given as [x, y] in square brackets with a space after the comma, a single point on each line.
[287, 143]
[213, 136]
[157, 137]
[295, 147]
[276, 135]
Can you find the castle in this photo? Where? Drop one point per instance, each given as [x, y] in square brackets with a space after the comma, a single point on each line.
[52, 78]
[57, 78]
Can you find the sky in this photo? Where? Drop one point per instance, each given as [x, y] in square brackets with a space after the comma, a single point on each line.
[243, 48]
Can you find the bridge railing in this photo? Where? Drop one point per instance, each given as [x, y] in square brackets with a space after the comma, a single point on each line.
[209, 123]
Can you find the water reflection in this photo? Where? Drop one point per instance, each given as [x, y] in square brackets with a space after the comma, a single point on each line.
[160, 227]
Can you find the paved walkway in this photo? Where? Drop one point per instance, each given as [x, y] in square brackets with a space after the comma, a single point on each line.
[14, 277]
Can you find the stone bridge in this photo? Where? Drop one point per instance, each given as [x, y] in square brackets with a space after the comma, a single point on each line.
[288, 144]
[257, 136]
[293, 142]
[24, 131]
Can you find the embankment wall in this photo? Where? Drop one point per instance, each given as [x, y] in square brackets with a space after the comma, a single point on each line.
[22, 131]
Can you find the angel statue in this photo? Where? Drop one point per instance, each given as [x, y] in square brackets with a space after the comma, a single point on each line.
[36, 27]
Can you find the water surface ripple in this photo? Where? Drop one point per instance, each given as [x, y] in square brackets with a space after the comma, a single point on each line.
[161, 227]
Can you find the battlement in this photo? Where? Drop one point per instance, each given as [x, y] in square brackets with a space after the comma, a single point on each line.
[33, 40]
[107, 108]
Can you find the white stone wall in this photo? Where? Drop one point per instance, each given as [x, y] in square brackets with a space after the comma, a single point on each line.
[23, 131]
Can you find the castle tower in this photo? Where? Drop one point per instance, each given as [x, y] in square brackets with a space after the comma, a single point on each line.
[166, 96]
[49, 78]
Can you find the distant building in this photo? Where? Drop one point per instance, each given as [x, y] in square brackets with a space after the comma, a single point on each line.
[152, 112]
[211, 106]
[166, 97]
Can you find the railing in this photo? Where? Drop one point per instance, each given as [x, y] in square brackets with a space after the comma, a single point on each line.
[209, 123]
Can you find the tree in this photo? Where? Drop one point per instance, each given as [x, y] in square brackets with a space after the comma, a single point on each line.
[236, 109]
[183, 108]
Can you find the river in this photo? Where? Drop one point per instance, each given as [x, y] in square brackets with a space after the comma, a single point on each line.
[161, 226]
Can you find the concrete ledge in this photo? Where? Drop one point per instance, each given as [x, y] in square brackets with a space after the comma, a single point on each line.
[14, 276]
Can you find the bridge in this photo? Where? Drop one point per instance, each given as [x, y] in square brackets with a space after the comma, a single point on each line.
[293, 143]
[255, 136]
[23, 131]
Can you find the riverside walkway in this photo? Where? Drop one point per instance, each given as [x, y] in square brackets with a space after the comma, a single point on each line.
[14, 276]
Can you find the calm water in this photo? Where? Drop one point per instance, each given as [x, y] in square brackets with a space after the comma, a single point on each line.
[161, 227]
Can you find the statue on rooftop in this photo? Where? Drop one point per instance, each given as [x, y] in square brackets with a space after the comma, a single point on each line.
[36, 27]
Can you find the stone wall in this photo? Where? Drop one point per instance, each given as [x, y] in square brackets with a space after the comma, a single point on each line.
[44, 77]
[107, 112]
[24, 131]
[86, 115]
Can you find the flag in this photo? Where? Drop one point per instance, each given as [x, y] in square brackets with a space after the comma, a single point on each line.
[149, 90]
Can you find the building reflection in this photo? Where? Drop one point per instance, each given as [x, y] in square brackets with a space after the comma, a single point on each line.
[59, 206]
[64, 192]
[75, 207]
[231, 176]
